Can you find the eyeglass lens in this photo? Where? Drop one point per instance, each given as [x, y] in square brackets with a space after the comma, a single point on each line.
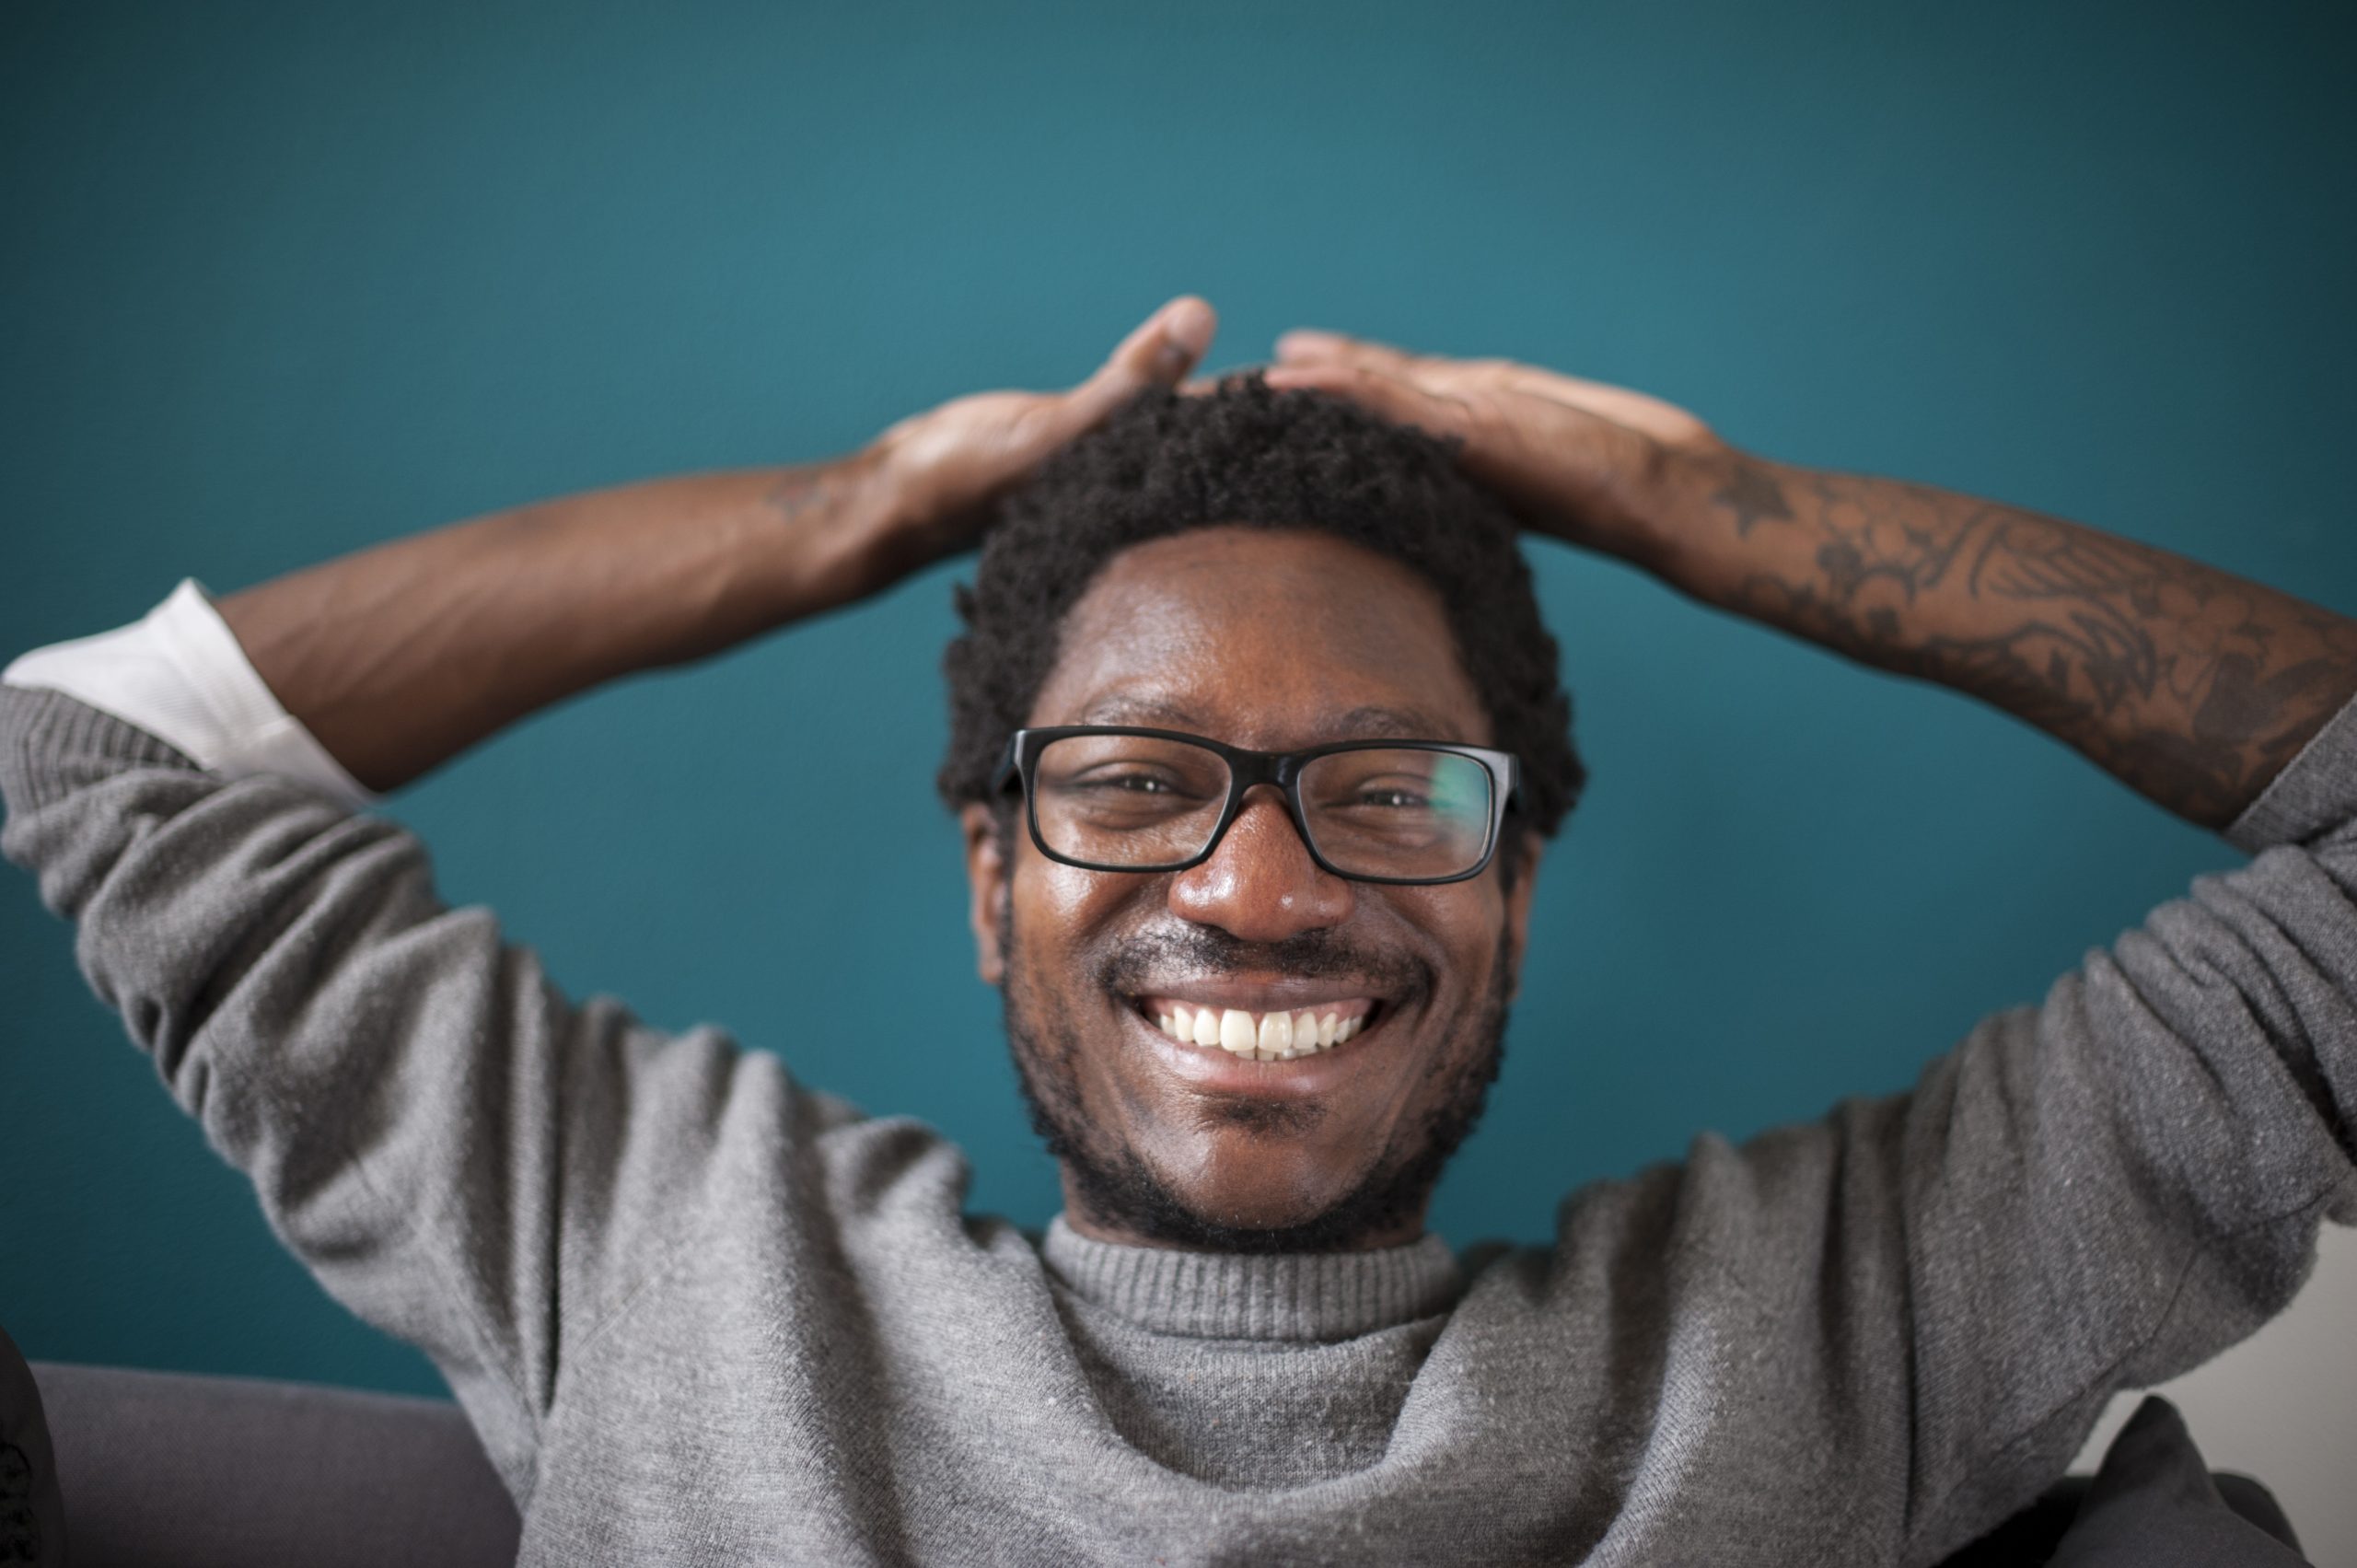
[1141, 802]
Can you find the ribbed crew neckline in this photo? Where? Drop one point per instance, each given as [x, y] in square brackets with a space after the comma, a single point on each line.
[1229, 1296]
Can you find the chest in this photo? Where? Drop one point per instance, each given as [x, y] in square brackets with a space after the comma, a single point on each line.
[1005, 1425]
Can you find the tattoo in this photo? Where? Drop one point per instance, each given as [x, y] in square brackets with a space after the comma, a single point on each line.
[1751, 492]
[2193, 686]
[801, 492]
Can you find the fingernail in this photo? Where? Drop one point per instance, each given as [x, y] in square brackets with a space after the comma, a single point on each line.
[1189, 327]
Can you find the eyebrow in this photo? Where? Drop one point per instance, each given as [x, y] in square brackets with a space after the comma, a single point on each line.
[1368, 722]
[1402, 723]
[1138, 711]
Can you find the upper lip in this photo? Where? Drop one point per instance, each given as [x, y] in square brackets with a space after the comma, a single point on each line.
[1268, 995]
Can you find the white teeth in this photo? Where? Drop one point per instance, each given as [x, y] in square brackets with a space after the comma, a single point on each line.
[1277, 1037]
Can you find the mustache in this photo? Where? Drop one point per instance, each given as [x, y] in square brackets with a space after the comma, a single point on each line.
[1138, 964]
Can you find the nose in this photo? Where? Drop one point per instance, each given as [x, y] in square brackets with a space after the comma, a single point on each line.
[1260, 884]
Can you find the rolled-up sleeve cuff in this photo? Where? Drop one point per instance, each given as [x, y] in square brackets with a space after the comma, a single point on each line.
[179, 674]
[2315, 794]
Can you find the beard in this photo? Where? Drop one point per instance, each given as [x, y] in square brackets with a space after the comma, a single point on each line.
[1118, 1186]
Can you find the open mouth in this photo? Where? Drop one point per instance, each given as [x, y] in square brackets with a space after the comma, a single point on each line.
[1285, 1034]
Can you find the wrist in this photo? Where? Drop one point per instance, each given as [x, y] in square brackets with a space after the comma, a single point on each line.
[1658, 512]
[907, 504]
[1712, 513]
[841, 527]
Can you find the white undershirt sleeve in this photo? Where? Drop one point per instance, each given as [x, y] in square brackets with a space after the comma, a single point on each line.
[179, 674]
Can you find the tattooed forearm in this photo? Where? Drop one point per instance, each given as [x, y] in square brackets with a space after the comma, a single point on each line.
[2195, 687]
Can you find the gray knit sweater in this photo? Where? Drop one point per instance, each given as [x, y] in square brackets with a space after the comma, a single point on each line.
[702, 1314]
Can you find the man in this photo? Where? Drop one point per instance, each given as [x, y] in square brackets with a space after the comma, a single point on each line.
[1256, 743]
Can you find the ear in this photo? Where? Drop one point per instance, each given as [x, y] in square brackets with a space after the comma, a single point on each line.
[986, 879]
[1519, 908]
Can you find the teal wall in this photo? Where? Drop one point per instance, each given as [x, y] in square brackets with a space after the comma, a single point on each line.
[278, 282]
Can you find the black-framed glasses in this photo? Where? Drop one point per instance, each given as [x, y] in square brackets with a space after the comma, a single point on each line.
[1115, 798]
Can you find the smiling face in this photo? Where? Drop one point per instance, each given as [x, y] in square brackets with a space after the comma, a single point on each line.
[1274, 641]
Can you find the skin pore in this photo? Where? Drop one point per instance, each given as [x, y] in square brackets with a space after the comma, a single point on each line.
[1273, 639]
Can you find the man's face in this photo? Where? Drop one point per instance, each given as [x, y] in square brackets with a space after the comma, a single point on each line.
[1273, 641]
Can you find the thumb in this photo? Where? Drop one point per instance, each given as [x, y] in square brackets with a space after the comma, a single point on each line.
[1159, 351]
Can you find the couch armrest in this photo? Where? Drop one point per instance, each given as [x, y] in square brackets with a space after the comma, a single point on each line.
[229, 1472]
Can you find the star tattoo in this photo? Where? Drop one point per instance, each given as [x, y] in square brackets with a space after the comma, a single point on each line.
[1751, 495]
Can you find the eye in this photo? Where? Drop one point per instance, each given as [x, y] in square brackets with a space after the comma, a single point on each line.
[1117, 781]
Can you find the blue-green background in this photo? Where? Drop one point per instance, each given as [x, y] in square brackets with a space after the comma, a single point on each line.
[278, 282]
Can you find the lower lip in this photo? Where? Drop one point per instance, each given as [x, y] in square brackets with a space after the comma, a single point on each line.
[1224, 1073]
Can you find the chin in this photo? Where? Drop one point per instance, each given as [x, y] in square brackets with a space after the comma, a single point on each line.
[1235, 1208]
[1125, 1198]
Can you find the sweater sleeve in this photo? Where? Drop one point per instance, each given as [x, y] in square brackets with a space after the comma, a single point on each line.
[2105, 1189]
[179, 674]
[462, 1156]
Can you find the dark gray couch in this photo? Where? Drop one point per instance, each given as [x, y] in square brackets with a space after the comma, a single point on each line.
[162, 1470]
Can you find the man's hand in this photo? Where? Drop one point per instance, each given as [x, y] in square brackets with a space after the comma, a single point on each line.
[1580, 462]
[402, 655]
[942, 470]
[2192, 686]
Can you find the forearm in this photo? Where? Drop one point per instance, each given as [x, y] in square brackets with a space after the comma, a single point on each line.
[2193, 686]
[399, 656]
[396, 658]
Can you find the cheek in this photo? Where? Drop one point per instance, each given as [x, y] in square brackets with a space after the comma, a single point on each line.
[1464, 919]
[1059, 902]
[1061, 914]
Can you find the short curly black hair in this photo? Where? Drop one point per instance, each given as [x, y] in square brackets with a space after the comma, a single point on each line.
[1246, 454]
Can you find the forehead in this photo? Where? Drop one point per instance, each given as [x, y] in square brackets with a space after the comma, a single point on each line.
[1265, 638]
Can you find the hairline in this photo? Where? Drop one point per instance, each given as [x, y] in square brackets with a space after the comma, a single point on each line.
[1378, 717]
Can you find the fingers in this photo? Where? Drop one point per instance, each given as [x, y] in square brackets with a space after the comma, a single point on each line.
[1378, 392]
[1310, 346]
[1663, 421]
[1020, 428]
[1447, 379]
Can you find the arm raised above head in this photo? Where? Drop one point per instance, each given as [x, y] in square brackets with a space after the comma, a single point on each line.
[2095, 1193]
[399, 656]
[462, 1155]
[2192, 686]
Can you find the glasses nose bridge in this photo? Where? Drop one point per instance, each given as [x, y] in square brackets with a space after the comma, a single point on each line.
[1251, 769]
[1268, 778]
[1278, 772]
